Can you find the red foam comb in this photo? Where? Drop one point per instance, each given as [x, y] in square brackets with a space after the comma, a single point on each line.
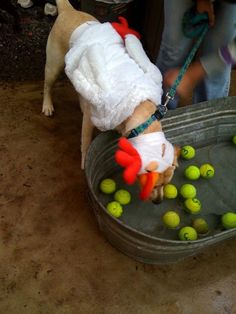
[128, 157]
[123, 29]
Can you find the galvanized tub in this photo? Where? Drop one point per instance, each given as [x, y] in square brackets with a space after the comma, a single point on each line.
[139, 232]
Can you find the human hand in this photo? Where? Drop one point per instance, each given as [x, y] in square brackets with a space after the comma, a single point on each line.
[194, 74]
[207, 6]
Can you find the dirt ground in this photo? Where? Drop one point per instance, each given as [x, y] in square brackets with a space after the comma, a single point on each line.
[53, 257]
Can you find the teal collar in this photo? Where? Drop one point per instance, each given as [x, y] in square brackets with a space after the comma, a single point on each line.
[157, 115]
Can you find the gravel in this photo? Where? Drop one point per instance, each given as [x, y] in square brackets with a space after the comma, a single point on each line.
[23, 53]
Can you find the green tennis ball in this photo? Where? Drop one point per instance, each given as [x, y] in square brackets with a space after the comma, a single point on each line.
[108, 186]
[115, 209]
[200, 225]
[192, 172]
[171, 219]
[123, 197]
[192, 205]
[229, 220]
[207, 171]
[188, 191]
[187, 234]
[170, 191]
[234, 139]
[187, 152]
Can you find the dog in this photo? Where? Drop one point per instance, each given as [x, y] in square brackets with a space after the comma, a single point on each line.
[58, 45]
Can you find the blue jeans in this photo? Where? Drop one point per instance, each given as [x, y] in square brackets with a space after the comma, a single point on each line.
[175, 47]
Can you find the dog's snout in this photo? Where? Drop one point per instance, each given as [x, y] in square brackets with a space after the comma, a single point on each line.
[157, 201]
[157, 195]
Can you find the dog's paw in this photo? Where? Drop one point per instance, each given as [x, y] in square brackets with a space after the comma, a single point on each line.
[48, 110]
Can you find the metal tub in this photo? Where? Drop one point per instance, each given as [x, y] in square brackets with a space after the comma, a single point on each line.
[139, 232]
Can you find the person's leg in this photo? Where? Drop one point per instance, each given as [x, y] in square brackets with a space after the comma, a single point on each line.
[174, 45]
[216, 86]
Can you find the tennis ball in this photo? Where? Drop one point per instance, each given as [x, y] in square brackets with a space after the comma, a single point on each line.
[170, 191]
[123, 197]
[192, 205]
[187, 152]
[188, 191]
[207, 171]
[171, 219]
[229, 220]
[234, 139]
[108, 186]
[115, 209]
[192, 172]
[187, 234]
[200, 225]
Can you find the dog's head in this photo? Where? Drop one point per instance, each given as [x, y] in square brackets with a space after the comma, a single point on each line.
[151, 175]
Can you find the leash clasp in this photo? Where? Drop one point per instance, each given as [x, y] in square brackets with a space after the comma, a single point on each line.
[168, 98]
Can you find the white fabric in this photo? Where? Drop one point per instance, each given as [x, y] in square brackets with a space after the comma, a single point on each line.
[150, 148]
[112, 76]
[136, 52]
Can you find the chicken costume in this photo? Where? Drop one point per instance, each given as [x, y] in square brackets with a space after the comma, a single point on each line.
[108, 66]
[113, 74]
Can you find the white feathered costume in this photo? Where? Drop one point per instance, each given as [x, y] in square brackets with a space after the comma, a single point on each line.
[115, 76]
[112, 75]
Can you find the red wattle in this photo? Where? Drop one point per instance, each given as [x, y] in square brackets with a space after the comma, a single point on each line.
[147, 189]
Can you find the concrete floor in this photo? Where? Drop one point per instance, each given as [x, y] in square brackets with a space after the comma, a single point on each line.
[53, 257]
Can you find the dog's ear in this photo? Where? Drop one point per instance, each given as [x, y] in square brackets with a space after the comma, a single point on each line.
[177, 150]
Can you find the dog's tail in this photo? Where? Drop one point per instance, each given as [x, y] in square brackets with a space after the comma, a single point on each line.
[63, 5]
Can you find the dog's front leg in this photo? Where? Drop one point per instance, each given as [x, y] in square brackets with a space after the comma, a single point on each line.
[87, 129]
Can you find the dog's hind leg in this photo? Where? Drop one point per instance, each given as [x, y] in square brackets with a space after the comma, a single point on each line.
[53, 67]
[87, 129]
